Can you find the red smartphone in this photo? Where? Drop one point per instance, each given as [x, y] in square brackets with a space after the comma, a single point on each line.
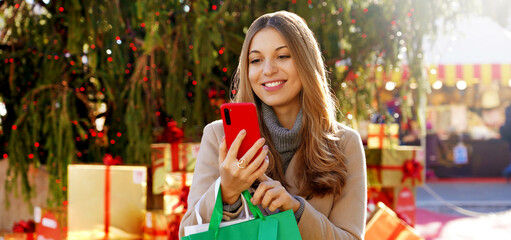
[238, 116]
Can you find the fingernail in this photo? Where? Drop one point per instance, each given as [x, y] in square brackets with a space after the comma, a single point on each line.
[265, 147]
[243, 131]
[260, 141]
[267, 158]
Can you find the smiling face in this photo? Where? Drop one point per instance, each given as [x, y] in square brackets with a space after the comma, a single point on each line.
[271, 70]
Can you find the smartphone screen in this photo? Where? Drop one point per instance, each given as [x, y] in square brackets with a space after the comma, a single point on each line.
[238, 116]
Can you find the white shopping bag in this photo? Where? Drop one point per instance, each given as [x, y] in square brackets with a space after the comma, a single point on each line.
[202, 227]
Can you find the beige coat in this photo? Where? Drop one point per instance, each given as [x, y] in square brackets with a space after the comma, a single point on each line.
[334, 216]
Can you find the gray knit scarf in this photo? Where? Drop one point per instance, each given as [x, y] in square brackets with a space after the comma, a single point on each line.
[286, 141]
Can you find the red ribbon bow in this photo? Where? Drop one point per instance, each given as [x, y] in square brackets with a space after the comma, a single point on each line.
[173, 133]
[412, 169]
[109, 160]
[24, 226]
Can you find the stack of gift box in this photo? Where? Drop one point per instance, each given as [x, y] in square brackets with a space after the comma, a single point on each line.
[393, 173]
[173, 172]
[122, 201]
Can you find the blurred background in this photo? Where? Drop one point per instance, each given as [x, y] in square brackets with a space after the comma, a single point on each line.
[81, 81]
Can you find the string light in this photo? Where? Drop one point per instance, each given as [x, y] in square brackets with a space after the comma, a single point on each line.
[437, 84]
[461, 85]
[3, 109]
[85, 60]
[389, 86]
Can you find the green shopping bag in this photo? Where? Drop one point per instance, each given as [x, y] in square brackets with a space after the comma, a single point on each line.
[273, 227]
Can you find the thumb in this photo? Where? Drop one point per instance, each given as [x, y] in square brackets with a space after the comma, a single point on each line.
[264, 178]
[222, 151]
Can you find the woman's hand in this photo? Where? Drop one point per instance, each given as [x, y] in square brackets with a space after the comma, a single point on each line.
[272, 195]
[237, 176]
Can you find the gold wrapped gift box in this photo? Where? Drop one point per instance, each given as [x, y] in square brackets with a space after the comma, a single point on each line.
[167, 158]
[99, 196]
[16, 236]
[381, 135]
[155, 225]
[176, 193]
[396, 167]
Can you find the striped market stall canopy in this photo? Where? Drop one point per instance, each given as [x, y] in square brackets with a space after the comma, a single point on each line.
[475, 50]
[485, 74]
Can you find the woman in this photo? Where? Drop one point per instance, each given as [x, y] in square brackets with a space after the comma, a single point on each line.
[309, 162]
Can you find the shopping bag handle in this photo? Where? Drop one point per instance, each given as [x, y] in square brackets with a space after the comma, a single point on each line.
[217, 187]
[216, 216]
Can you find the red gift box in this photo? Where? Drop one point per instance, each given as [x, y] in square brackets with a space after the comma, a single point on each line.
[51, 223]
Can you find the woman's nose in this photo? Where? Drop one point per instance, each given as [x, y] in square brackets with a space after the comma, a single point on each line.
[269, 68]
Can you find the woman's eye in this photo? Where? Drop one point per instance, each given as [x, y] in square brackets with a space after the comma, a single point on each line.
[254, 61]
[284, 56]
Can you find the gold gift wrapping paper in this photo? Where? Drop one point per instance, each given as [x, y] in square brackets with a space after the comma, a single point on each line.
[86, 201]
[381, 135]
[384, 166]
[172, 200]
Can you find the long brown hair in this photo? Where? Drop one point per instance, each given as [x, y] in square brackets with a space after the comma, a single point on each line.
[321, 165]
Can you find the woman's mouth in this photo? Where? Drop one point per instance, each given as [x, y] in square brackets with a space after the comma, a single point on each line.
[273, 86]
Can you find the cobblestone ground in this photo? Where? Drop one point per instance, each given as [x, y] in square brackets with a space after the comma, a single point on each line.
[464, 210]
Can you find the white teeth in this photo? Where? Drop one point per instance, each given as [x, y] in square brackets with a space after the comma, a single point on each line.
[273, 84]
